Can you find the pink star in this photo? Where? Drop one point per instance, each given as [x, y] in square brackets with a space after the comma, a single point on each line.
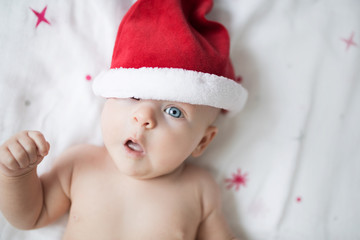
[41, 16]
[349, 42]
[237, 180]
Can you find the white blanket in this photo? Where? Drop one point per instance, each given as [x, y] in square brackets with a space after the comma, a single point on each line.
[288, 165]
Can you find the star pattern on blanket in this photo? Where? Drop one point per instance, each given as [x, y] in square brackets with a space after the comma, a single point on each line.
[237, 180]
[350, 41]
[40, 16]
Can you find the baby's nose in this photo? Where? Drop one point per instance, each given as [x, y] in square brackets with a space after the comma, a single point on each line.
[145, 117]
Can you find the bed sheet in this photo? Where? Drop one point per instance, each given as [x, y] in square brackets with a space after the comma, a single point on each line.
[288, 165]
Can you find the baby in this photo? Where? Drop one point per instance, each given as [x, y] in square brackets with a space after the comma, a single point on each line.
[163, 96]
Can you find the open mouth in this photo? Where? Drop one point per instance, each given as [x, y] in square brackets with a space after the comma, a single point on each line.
[133, 146]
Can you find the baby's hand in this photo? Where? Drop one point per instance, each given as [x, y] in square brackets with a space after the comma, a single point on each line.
[22, 153]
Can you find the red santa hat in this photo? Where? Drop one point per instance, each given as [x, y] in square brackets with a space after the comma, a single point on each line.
[168, 50]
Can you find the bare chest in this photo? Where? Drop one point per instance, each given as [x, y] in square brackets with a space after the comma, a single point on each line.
[114, 210]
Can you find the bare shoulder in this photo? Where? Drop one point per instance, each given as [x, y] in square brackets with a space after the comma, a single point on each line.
[78, 153]
[209, 189]
[71, 158]
[199, 174]
[213, 223]
[77, 156]
[82, 150]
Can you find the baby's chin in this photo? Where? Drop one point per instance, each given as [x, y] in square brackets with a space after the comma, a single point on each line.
[147, 173]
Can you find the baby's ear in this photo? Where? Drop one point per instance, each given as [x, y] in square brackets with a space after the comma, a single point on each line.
[209, 135]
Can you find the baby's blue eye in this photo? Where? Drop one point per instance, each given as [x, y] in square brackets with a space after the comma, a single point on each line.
[174, 112]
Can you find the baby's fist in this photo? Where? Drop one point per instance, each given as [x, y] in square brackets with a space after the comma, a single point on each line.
[22, 153]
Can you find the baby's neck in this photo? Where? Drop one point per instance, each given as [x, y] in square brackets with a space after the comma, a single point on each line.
[174, 175]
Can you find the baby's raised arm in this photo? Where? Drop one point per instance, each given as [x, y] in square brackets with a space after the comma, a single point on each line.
[24, 198]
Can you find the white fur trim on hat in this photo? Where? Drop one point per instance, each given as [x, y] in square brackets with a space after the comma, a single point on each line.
[171, 84]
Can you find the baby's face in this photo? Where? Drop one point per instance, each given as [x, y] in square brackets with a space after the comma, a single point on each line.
[148, 138]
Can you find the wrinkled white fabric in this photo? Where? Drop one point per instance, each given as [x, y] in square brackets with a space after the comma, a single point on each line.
[288, 165]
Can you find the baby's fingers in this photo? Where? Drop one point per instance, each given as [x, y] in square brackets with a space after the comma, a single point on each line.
[29, 145]
[42, 145]
[8, 159]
